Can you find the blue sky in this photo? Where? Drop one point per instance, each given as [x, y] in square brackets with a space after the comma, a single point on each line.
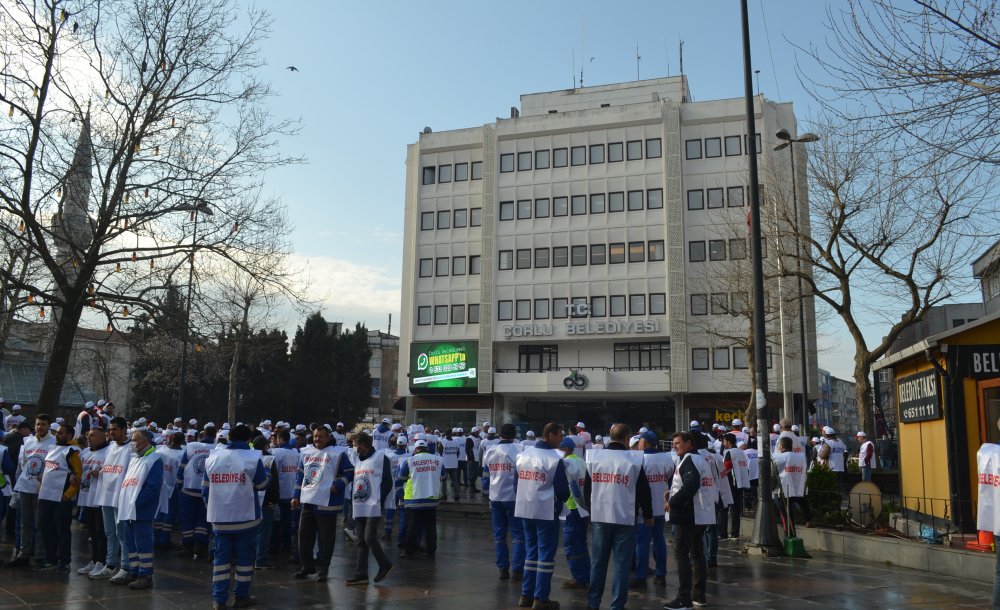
[372, 75]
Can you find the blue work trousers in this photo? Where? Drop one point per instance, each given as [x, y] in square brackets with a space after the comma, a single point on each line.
[504, 521]
[138, 545]
[647, 536]
[163, 525]
[231, 548]
[575, 544]
[619, 540]
[288, 527]
[711, 543]
[264, 534]
[541, 541]
[194, 523]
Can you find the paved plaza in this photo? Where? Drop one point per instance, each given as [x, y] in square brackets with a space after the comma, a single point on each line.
[464, 577]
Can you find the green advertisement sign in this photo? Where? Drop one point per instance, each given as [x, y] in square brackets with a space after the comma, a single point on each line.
[443, 367]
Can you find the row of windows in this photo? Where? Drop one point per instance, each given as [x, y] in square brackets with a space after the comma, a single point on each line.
[598, 254]
[444, 266]
[719, 303]
[715, 198]
[616, 305]
[447, 219]
[711, 148]
[716, 250]
[614, 152]
[448, 314]
[719, 357]
[628, 357]
[577, 205]
[458, 172]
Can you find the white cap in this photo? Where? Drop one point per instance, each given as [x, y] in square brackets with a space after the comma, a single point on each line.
[695, 423]
[396, 427]
[461, 430]
[60, 420]
[795, 427]
[530, 434]
[142, 420]
[225, 426]
[598, 438]
[814, 439]
[862, 433]
[340, 424]
[643, 429]
[737, 422]
[420, 443]
[153, 425]
[16, 408]
[178, 420]
[828, 430]
[776, 428]
[54, 427]
[715, 426]
[89, 405]
[400, 440]
[210, 425]
[386, 420]
[193, 422]
[300, 428]
[327, 426]
[741, 444]
[485, 424]
[580, 424]
[632, 442]
[100, 403]
[492, 430]
[745, 429]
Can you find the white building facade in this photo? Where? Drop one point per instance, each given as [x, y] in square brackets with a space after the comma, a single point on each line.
[587, 259]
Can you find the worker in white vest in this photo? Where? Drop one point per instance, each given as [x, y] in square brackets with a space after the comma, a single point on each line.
[396, 459]
[736, 473]
[988, 503]
[499, 463]
[422, 473]
[167, 514]
[190, 474]
[92, 460]
[473, 458]
[619, 496]
[339, 435]
[286, 459]
[837, 458]
[750, 499]
[137, 505]
[105, 489]
[530, 440]
[487, 442]
[575, 518]
[31, 464]
[866, 456]
[738, 431]
[687, 507]
[450, 449]
[382, 434]
[59, 486]
[542, 489]
[790, 467]
[371, 492]
[659, 468]
[232, 478]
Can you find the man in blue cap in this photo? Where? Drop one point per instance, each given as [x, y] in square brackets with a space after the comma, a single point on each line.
[575, 518]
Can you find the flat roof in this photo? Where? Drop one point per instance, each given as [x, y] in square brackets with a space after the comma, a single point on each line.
[932, 341]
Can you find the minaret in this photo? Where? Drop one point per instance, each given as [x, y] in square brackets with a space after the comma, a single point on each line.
[72, 229]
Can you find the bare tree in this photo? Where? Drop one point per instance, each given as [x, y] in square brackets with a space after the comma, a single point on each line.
[125, 121]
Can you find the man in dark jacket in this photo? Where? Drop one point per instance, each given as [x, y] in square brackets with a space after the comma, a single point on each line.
[680, 509]
[372, 475]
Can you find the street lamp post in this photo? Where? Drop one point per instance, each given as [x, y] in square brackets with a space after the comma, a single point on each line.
[200, 206]
[789, 142]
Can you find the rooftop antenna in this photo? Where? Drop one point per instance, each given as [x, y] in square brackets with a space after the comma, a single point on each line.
[389, 332]
[637, 58]
[682, 57]
[757, 72]
[572, 72]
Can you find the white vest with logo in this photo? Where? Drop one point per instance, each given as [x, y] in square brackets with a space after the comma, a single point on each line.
[659, 469]
[578, 444]
[366, 491]
[109, 482]
[340, 440]
[796, 441]
[92, 461]
[752, 463]
[476, 441]
[319, 470]
[288, 462]
[501, 461]
[741, 468]
[425, 476]
[462, 457]
[861, 454]
[838, 451]
[536, 472]
[381, 439]
[138, 469]
[171, 458]
[791, 469]
[485, 444]
[449, 453]
[194, 470]
[231, 493]
[988, 510]
[32, 462]
[56, 472]
[613, 477]
[708, 494]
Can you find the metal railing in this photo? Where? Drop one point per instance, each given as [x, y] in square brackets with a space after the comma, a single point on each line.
[583, 368]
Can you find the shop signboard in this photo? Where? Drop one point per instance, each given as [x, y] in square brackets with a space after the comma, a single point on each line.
[919, 397]
[444, 367]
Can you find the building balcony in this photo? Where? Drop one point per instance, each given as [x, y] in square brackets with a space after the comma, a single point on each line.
[581, 380]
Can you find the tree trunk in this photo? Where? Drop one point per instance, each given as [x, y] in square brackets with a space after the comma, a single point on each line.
[863, 395]
[234, 369]
[59, 356]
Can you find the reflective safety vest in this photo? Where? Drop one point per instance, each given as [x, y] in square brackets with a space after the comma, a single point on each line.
[536, 473]
[288, 463]
[741, 467]
[576, 475]
[366, 490]
[133, 481]
[659, 469]
[109, 482]
[988, 467]
[194, 470]
[501, 462]
[613, 477]
[231, 493]
[425, 477]
[32, 462]
[791, 469]
[319, 470]
[56, 472]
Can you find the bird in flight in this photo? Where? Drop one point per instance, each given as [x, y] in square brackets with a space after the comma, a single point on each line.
[292, 69]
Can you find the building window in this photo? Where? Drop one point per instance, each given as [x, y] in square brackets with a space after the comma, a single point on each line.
[720, 303]
[427, 221]
[541, 208]
[506, 210]
[458, 265]
[713, 148]
[579, 205]
[474, 313]
[523, 161]
[733, 146]
[717, 249]
[458, 314]
[506, 259]
[560, 256]
[429, 173]
[441, 266]
[461, 218]
[715, 199]
[616, 152]
[597, 153]
[636, 304]
[444, 219]
[560, 308]
[505, 310]
[654, 148]
[476, 217]
[699, 358]
[696, 200]
[578, 155]
[537, 358]
[696, 251]
[737, 249]
[522, 309]
[740, 360]
[560, 206]
[444, 173]
[699, 304]
[770, 360]
[579, 255]
[426, 267]
[578, 307]
[461, 172]
[541, 258]
[541, 159]
[616, 202]
[656, 250]
[524, 258]
[474, 262]
[560, 157]
[506, 163]
[598, 254]
[746, 148]
[440, 315]
[477, 170]
[654, 199]
[636, 252]
[617, 305]
[720, 358]
[739, 303]
[616, 253]
[598, 307]
[692, 149]
[523, 209]
[541, 309]
[597, 203]
[424, 315]
[634, 200]
[657, 304]
[633, 150]
[642, 356]
[735, 196]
